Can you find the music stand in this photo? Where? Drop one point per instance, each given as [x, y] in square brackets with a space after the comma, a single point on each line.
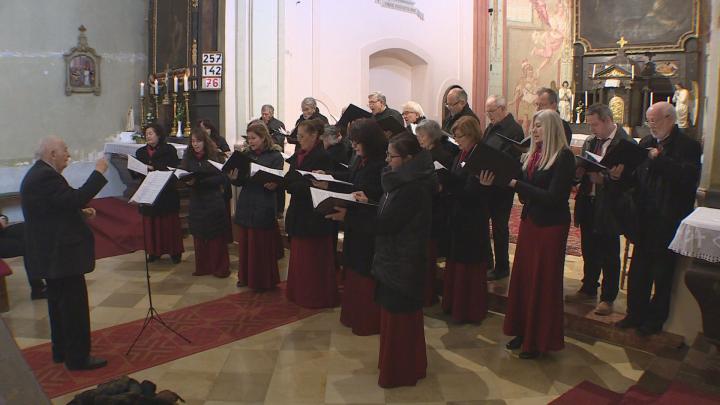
[152, 313]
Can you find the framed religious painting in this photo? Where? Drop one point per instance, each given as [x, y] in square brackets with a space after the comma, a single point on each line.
[82, 67]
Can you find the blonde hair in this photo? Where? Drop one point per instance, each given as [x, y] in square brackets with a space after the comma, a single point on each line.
[553, 139]
[468, 126]
[414, 107]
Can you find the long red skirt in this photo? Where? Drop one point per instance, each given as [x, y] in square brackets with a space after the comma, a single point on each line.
[359, 310]
[535, 300]
[163, 234]
[465, 291]
[429, 296]
[257, 257]
[311, 279]
[211, 257]
[403, 359]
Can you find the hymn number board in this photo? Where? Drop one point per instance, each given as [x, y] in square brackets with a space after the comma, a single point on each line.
[212, 71]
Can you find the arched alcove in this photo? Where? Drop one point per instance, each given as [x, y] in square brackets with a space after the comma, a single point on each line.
[399, 74]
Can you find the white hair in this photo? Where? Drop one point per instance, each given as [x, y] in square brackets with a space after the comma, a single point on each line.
[500, 101]
[378, 96]
[47, 145]
[414, 107]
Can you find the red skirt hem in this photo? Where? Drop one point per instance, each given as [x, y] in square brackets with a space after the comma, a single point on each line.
[403, 358]
[163, 234]
[465, 294]
[211, 257]
[257, 257]
[358, 309]
[311, 279]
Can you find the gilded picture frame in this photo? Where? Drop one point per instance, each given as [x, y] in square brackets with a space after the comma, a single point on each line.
[82, 68]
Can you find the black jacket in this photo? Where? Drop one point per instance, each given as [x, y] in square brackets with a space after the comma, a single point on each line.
[402, 230]
[507, 127]
[598, 210]
[359, 242]
[451, 119]
[274, 126]
[389, 112]
[256, 206]
[207, 216]
[301, 219]
[58, 241]
[169, 200]
[339, 153]
[468, 219]
[293, 135]
[545, 196]
[568, 131]
[441, 202]
[662, 190]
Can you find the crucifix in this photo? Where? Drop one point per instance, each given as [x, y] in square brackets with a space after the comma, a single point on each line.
[622, 42]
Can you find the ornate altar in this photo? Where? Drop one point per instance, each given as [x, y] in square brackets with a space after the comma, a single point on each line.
[641, 58]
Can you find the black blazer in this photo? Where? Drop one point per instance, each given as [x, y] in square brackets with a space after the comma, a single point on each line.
[339, 152]
[568, 131]
[208, 215]
[293, 135]
[507, 127]
[468, 224]
[545, 195]
[301, 219]
[169, 200]
[58, 241]
[256, 206]
[359, 244]
[451, 119]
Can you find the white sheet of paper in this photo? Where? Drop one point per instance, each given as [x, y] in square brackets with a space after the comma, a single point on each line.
[217, 165]
[597, 158]
[285, 155]
[254, 168]
[179, 173]
[319, 195]
[323, 177]
[438, 165]
[136, 165]
[150, 188]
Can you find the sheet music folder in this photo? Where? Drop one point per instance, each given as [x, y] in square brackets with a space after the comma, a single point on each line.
[504, 166]
[325, 201]
[151, 187]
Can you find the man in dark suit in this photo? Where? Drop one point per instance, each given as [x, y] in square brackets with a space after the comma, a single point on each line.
[663, 191]
[599, 232]
[310, 111]
[547, 99]
[500, 200]
[457, 104]
[377, 103]
[60, 248]
[274, 125]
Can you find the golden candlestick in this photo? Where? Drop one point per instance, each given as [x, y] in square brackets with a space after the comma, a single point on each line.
[157, 106]
[174, 110]
[142, 112]
[187, 113]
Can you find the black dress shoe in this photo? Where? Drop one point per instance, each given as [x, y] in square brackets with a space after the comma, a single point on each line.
[176, 258]
[91, 363]
[647, 330]
[529, 355]
[627, 323]
[515, 343]
[39, 294]
[496, 274]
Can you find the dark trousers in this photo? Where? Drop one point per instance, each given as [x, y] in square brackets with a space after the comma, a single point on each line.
[12, 244]
[500, 204]
[652, 263]
[69, 318]
[601, 254]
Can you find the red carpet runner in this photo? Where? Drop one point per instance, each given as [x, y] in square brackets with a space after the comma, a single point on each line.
[117, 227]
[573, 243]
[207, 325]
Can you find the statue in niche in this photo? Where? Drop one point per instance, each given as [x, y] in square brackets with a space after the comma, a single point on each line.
[681, 98]
[617, 106]
[565, 100]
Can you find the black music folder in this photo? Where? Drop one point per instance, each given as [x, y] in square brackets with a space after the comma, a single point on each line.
[524, 144]
[625, 152]
[391, 124]
[504, 166]
[325, 201]
[352, 113]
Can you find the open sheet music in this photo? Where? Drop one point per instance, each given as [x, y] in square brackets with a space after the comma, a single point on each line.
[323, 177]
[325, 201]
[179, 173]
[261, 174]
[151, 187]
[136, 165]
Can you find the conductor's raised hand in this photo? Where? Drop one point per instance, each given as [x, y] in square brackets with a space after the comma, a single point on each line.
[338, 215]
[101, 165]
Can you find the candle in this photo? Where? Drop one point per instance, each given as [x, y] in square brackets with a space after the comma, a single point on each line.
[632, 72]
[594, 66]
[142, 89]
[186, 85]
[175, 83]
[586, 98]
[157, 89]
[651, 97]
[668, 99]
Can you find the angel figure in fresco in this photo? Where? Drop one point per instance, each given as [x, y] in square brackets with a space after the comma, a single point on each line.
[549, 41]
[524, 95]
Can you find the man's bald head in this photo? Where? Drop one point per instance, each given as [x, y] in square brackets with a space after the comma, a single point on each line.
[53, 151]
[661, 118]
[456, 100]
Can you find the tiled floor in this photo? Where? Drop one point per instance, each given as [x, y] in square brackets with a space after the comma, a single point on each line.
[317, 360]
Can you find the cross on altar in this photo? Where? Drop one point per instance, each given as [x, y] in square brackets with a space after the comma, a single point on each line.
[622, 42]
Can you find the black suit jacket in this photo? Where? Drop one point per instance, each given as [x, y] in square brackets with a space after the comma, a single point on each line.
[568, 131]
[58, 242]
[451, 119]
[301, 219]
[507, 127]
[545, 195]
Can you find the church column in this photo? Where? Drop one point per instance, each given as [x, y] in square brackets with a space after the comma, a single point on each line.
[480, 58]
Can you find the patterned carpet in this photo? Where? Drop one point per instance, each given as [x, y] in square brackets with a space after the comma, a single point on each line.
[207, 325]
[573, 243]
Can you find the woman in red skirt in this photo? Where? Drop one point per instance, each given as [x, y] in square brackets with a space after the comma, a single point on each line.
[161, 222]
[402, 230]
[465, 282]
[311, 271]
[359, 310]
[535, 312]
[207, 215]
[255, 215]
[430, 136]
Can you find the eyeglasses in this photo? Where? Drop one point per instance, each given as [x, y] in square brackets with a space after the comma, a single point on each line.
[491, 111]
[452, 105]
[389, 156]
